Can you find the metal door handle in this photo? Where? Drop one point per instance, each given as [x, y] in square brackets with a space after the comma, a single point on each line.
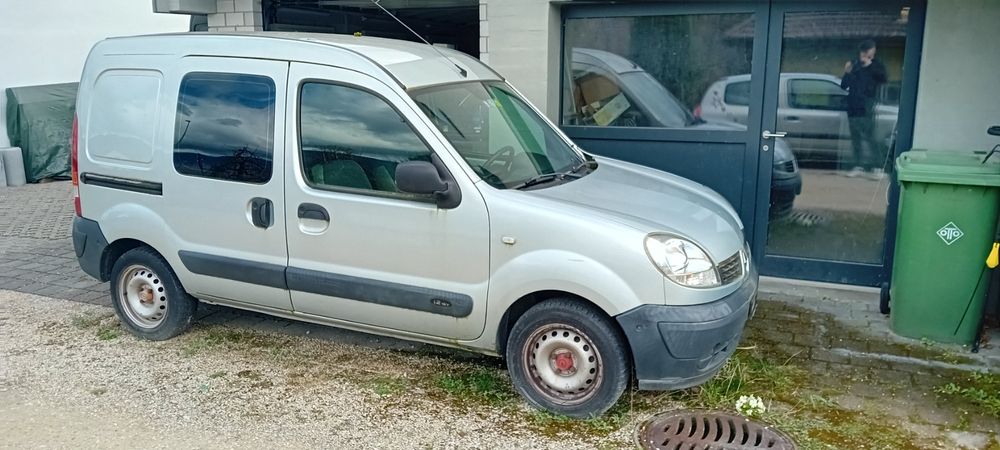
[261, 212]
[313, 211]
[777, 134]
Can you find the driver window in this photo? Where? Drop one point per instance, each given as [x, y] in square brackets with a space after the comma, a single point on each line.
[351, 138]
[599, 100]
[815, 94]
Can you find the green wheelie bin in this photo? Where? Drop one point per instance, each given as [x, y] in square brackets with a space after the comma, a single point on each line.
[948, 206]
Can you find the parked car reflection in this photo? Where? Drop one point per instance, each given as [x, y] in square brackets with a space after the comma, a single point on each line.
[610, 90]
[811, 109]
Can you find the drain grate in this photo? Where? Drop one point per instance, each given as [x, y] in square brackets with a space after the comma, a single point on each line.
[706, 430]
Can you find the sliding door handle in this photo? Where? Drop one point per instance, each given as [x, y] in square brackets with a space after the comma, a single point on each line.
[313, 211]
[261, 212]
[777, 134]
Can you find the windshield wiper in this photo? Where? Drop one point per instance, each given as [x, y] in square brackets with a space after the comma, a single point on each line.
[557, 176]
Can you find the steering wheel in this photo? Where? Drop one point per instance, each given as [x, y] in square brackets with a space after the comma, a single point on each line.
[504, 156]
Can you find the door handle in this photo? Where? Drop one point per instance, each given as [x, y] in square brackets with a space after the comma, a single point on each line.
[777, 134]
[261, 212]
[792, 118]
[313, 211]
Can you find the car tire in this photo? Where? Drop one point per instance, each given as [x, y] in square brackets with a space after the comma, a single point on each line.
[587, 360]
[148, 298]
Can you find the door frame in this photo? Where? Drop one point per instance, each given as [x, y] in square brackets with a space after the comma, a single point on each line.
[867, 274]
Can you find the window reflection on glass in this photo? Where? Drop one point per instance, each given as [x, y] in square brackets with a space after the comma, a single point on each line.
[837, 100]
[651, 71]
[225, 127]
[351, 138]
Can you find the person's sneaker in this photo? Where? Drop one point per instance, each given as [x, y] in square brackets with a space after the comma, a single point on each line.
[876, 174]
[855, 172]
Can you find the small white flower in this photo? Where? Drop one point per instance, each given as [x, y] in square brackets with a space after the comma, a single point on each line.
[750, 405]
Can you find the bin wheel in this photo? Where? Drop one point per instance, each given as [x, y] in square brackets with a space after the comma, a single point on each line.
[883, 299]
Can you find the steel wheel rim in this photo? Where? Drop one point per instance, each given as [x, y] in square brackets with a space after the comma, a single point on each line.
[142, 296]
[563, 364]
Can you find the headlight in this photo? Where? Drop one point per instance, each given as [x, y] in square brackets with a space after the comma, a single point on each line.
[682, 261]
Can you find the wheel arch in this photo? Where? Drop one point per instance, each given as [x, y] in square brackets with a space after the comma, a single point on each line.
[115, 250]
[525, 302]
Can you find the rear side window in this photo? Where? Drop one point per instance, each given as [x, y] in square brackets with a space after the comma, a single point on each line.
[352, 138]
[738, 93]
[122, 116]
[225, 127]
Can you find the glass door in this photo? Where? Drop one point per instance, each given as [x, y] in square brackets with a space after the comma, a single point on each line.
[839, 93]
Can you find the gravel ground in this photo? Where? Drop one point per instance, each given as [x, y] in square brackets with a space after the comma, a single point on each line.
[69, 377]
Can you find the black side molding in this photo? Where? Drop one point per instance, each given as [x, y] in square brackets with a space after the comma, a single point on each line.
[234, 269]
[124, 184]
[381, 292]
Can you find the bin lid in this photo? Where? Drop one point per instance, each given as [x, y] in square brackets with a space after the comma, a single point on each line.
[948, 167]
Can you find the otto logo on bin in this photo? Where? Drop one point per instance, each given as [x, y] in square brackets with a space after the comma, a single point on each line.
[950, 233]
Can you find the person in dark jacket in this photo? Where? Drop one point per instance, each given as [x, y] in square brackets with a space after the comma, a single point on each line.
[861, 79]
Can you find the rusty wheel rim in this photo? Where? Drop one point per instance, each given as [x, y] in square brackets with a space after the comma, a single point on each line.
[142, 296]
[563, 364]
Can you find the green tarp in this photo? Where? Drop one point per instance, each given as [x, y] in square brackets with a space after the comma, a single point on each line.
[40, 121]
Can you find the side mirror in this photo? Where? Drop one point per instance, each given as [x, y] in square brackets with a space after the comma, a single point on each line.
[994, 130]
[422, 177]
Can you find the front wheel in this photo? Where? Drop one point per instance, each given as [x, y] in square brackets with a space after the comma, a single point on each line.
[568, 358]
[148, 297]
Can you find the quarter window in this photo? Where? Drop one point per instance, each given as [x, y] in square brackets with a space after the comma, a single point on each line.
[225, 127]
[352, 138]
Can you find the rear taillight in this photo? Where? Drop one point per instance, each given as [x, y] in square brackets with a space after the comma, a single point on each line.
[697, 110]
[75, 167]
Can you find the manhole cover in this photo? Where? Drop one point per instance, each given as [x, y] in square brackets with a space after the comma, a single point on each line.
[706, 430]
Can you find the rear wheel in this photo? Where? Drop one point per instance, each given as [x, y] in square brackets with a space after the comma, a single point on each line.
[567, 357]
[148, 297]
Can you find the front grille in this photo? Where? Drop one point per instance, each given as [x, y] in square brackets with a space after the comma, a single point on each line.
[731, 269]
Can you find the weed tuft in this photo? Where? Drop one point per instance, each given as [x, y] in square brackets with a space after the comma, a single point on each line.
[979, 389]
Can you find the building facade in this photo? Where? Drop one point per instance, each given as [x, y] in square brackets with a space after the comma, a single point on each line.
[792, 110]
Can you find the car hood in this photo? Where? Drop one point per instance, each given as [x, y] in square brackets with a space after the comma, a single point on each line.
[653, 201]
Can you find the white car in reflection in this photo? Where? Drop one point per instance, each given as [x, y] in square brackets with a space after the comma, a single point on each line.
[810, 110]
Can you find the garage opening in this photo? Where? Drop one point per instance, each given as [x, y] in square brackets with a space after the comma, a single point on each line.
[452, 23]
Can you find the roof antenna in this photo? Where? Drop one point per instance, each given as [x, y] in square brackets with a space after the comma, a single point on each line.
[461, 71]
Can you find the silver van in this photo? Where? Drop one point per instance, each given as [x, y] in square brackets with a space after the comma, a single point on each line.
[398, 189]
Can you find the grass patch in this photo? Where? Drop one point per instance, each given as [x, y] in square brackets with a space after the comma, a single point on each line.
[745, 373]
[109, 332]
[87, 321]
[979, 389]
[384, 386]
[491, 386]
[217, 337]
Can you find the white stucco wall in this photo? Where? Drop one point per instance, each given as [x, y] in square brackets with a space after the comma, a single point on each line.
[959, 92]
[520, 39]
[47, 41]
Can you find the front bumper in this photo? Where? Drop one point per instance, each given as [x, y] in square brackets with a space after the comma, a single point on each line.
[675, 347]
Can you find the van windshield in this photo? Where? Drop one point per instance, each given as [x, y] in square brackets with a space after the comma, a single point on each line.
[500, 136]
